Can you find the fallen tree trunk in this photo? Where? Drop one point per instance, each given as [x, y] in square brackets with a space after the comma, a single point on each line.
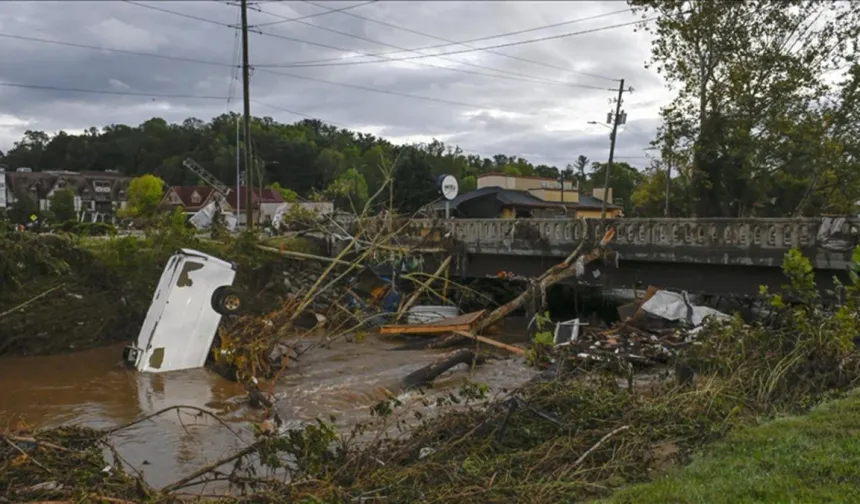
[551, 277]
[430, 372]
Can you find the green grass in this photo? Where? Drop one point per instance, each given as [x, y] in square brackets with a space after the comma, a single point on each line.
[809, 458]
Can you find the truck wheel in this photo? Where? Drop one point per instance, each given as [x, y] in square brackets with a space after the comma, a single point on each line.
[226, 301]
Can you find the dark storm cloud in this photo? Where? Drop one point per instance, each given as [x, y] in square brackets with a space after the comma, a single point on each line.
[545, 122]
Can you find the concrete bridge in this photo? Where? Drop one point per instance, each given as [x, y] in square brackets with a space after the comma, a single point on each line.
[714, 256]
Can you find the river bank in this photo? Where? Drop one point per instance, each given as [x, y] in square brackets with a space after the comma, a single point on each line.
[62, 293]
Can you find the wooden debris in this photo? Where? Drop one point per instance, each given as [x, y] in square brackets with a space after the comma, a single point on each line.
[448, 325]
[497, 344]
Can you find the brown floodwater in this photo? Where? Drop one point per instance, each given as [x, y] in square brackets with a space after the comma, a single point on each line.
[93, 388]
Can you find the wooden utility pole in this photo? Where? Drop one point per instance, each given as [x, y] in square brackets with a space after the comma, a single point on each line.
[615, 120]
[246, 87]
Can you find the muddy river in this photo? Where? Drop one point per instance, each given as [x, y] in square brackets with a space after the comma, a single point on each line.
[93, 388]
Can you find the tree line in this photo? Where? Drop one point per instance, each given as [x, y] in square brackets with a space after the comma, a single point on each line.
[305, 159]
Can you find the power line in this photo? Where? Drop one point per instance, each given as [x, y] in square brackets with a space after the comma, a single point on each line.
[182, 14]
[120, 51]
[287, 20]
[230, 93]
[382, 91]
[110, 91]
[506, 74]
[513, 76]
[517, 77]
[497, 46]
[468, 41]
[465, 44]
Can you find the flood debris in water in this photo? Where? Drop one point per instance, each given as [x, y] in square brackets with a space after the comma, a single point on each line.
[573, 437]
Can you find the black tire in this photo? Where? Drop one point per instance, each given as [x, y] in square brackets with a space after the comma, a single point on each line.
[227, 301]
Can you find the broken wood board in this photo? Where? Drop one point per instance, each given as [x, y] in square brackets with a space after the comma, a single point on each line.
[498, 344]
[448, 325]
[632, 310]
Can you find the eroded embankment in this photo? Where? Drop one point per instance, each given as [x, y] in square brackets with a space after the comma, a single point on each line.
[60, 294]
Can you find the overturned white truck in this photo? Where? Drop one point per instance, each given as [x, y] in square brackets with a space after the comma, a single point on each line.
[194, 291]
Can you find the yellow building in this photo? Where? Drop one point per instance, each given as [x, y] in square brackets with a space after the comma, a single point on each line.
[550, 191]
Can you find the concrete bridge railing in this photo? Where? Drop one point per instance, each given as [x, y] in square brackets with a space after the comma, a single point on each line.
[748, 242]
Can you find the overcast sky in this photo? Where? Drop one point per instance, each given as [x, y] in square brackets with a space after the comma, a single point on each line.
[533, 99]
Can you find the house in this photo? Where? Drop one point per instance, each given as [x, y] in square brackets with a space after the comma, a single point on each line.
[504, 196]
[193, 198]
[97, 194]
[497, 202]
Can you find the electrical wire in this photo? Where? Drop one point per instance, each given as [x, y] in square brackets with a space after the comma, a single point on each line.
[388, 92]
[505, 74]
[513, 76]
[329, 11]
[181, 14]
[466, 44]
[497, 46]
[107, 49]
[469, 41]
[111, 91]
[326, 46]
[229, 96]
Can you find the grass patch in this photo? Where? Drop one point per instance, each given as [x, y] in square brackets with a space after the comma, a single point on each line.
[809, 458]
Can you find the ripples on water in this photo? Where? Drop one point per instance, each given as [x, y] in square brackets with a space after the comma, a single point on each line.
[93, 388]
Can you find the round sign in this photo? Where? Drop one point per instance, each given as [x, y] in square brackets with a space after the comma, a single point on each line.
[449, 187]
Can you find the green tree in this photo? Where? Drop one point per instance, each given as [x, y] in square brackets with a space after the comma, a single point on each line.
[144, 196]
[62, 204]
[469, 183]
[288, 195]
[756, 108]
[348, 191]
[579, 167]
[623, 180]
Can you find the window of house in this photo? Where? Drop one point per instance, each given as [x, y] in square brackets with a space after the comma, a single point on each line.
[61, 184]
[174, 199]
[195, 198]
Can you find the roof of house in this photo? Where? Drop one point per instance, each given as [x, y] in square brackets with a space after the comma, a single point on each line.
[504, 196]
[521, 199]
[267, 195]
[185, 193]
[590, 202]
[43, 182]
[502, 174]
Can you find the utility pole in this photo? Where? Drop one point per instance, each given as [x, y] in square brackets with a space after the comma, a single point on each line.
[238, 177]
[671, 141]
[246, 88]
[616, 119]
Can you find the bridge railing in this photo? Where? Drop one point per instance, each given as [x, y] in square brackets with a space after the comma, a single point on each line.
[774, 234]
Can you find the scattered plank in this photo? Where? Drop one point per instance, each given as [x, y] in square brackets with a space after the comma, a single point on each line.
[448, 325]
[498, 344]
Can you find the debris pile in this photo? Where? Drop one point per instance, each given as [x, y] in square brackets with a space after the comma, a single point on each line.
[652, 330]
